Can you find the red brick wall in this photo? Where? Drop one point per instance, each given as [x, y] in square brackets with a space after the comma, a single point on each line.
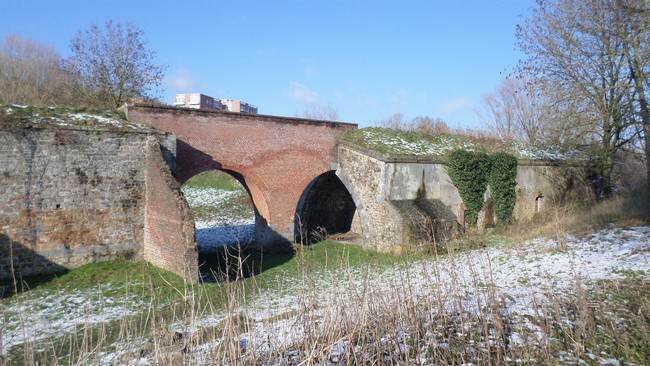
[168, 224]
[277, 156]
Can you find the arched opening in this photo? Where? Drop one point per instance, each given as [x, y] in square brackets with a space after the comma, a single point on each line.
[224, 216]
[325, 209]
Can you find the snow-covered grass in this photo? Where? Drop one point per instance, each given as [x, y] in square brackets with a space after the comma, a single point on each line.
[412, 143]
[573, 299]
[65, 116]
[53, 313]
[559, 299]
[222, 217]
[520, 286]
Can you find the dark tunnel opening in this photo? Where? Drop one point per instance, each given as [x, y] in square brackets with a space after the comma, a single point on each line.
[325, 208]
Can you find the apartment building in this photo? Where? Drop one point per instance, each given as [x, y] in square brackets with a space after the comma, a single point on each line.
[202, 101]
[238, 106]
[197, 100]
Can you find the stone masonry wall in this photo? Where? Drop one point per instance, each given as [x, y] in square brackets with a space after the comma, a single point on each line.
[169, 227]
[541, 184]
[374, 180]
[381, 226]
[68, 197]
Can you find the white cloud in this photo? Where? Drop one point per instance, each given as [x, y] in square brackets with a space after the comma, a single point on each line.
[184, 82]
[456, 105]
[302, 94]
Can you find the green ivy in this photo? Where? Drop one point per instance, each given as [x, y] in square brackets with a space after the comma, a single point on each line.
[468, 171]
[471, 172]
[502, 181]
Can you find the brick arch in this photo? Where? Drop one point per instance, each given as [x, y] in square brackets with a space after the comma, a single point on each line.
[277, 157]
[253, 186]
[256, 190]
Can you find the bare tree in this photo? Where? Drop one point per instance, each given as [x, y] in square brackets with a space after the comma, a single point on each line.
[31, 73]
[429, 126]
[571, 45]
[517, 110]
[113, 65]
[634, 29]
[325, 113]
[395, 121]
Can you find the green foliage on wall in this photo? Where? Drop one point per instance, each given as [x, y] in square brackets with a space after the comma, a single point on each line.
[468, 171]
[471, 172]
[502, 181]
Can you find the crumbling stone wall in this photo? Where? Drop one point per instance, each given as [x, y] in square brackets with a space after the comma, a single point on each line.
[68, 197]
[393, 196]
[74, 195]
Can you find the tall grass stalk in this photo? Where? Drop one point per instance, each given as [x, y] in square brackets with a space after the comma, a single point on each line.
[449, 308]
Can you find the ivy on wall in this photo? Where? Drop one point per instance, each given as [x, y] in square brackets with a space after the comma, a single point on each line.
[503, 172]
[468, 171]
[472, 171]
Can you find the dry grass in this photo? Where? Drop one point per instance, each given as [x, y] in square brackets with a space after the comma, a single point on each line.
[356, 321]
[443, 310]
[581, 216]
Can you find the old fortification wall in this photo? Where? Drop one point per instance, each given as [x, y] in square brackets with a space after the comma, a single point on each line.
[74, 195]
[393, 194]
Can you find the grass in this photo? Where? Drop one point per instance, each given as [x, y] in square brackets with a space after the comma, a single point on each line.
[347, 305]
[237, 206]
[399, 143]
[582, 216]
[214, 179]
[64, 116]
[169, 296]
[357, 325]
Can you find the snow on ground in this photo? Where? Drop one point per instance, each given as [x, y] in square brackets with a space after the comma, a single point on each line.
[225, 223]
[440, 145]
[56, 314]
[212, 238]
[68, 117]
[521, 276]
[207, 196]
[399, 145]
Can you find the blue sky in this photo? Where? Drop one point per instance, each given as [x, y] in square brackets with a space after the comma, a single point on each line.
[366, 59]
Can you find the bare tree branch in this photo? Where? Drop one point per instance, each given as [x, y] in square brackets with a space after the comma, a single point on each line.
[113, 66]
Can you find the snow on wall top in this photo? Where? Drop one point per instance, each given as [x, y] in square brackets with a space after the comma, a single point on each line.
[65, 116]
[411, 143]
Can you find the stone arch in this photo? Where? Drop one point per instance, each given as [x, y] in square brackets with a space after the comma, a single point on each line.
[359, 201]
[325, 208]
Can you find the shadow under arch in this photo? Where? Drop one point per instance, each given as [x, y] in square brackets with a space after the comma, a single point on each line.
[325, 208]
